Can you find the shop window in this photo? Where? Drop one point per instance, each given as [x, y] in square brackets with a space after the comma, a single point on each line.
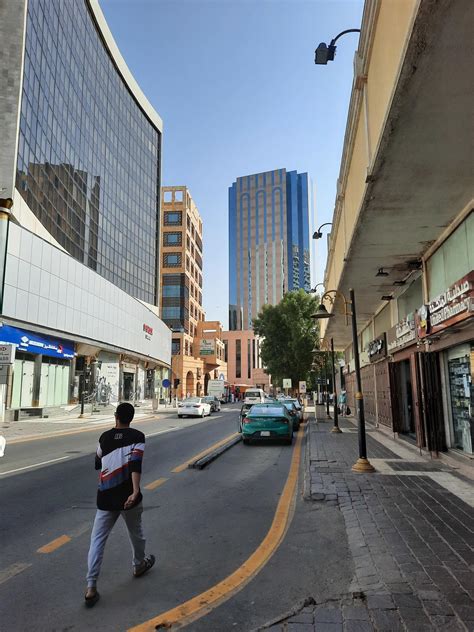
[383, 321]
[453, 259]
[411, 299]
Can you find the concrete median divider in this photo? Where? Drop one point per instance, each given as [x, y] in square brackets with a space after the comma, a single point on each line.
[212, 455]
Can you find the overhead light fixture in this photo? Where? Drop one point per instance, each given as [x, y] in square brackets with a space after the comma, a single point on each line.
[387, 297]
[401, 282]
[382, 272]
[322, 312]
[414, 264]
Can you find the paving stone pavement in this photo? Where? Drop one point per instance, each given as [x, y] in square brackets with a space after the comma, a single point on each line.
[411, 540]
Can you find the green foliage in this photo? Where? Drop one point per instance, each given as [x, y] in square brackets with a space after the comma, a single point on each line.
[289, 336]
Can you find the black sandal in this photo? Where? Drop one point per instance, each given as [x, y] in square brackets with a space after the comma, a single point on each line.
[92, 600]
[148, 562]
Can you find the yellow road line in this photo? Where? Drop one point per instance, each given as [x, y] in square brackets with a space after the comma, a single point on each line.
[205, 602]
[184, 465]
[13, 570]
[55, 544]
[63, 433]
[156, 483]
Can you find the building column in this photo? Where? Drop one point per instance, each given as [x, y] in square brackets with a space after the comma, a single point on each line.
[37, 379]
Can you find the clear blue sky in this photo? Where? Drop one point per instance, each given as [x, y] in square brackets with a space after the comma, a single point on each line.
[236, 86]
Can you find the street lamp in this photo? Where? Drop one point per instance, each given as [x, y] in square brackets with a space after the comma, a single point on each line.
[325, 53]
[362, 464]
[314, 289]
[318, 234]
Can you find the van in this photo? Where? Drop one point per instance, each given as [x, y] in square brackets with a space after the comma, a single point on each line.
[254, 396]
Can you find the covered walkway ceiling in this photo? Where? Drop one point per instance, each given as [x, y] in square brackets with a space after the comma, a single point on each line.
[423, 173]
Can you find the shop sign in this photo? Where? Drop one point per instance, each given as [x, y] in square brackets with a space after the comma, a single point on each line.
[206, 346]
[453, 305]
[148, 331]
[377, 349]
[36, 343]
[423, 324]
[129, 368]
[403, 334]
[7, 354]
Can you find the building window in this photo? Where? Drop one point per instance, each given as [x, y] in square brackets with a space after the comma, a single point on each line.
[171, 259]
[249, 359]
[167, 196]
[238, 358]
[173, 218]
[175, 291]
[226, 354]
[171, 313]
[178, 196]
[172, 239]
[254, 359]
[175, 347]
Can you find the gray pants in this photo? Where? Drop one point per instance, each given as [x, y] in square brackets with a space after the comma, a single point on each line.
[103, 524]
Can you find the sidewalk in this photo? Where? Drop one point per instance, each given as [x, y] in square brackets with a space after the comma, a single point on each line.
[35, 427]
[410, 530]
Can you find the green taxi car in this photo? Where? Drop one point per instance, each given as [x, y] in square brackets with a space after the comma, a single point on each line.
[267, 421]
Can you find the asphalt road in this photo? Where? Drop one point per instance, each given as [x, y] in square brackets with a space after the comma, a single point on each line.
[201, 525]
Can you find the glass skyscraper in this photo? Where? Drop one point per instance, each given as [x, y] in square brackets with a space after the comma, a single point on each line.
[268, 241]
[88, 161]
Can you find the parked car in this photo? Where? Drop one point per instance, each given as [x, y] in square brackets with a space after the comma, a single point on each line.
[254, 396]
[293, 411]
[194, 407]
[267, 421]
[243, 413]
[298, 407]
[214, 402]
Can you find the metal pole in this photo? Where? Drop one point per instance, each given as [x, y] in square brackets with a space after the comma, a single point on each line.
[334, 390]
[362, 464]
[83, 390]
[326, 386]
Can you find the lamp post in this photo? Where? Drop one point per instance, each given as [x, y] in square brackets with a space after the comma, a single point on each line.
[335, 428]
[362, 464]
[318, 235]
[325, 53]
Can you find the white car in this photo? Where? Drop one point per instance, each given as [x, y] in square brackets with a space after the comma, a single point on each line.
[194, 407]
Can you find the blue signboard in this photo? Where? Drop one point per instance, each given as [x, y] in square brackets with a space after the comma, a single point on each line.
[166, 383]
[36, 343]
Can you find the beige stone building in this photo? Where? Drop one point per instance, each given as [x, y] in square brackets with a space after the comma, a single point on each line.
[197, 348]
[403, 223]
[244, 365]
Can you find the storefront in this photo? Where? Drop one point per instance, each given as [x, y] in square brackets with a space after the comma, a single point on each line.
[446, 327]
[41, 373]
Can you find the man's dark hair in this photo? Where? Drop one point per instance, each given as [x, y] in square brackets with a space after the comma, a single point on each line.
[124, 413]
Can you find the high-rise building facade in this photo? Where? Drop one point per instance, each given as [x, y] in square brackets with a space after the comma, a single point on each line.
[81, 162]
[197, 347]
[181, 263]
[269, 252]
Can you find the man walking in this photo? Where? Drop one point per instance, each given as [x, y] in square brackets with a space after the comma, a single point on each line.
[119, 458]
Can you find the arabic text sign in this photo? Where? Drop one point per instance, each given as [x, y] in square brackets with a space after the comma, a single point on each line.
[33, 342]
[207, 346]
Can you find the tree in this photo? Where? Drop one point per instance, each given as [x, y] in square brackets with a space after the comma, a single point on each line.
[289, 335]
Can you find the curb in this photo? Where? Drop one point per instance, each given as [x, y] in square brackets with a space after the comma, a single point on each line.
[201, 463]
[299, 605]
[307, 463]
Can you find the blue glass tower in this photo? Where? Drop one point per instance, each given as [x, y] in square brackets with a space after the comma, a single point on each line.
[268, 241]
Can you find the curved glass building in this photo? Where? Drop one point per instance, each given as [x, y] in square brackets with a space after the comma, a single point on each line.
[82, 161]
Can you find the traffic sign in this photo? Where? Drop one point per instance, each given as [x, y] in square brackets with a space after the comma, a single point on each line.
[166, 383]
[286, 382]
[302, 387]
